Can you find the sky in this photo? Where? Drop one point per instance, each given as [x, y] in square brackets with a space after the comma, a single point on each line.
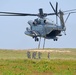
[12, 28]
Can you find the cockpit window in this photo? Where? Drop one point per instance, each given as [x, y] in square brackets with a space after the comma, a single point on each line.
[37, 21]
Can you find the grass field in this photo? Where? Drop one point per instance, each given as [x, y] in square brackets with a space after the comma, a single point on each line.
[61, 62]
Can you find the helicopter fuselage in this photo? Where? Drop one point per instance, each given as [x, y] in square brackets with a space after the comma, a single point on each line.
[43, 28]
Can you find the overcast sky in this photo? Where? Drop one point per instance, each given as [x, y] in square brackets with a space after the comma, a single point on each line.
[12, 28]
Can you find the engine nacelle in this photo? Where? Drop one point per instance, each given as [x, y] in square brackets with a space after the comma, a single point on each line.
[47, 21]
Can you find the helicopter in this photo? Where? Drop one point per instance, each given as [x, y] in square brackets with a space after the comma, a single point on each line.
[42, 27]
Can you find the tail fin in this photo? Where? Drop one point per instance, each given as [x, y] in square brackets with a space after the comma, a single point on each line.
[62, 19]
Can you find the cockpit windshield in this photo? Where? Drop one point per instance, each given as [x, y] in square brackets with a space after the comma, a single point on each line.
[36, 22]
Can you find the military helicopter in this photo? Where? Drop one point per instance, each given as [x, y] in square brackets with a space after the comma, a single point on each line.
[42, 27]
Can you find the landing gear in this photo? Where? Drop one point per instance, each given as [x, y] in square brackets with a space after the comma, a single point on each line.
[55, 39]
[36, 39]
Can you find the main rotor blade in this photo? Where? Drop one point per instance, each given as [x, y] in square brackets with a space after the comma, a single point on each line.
[70, 10]
[51, 14]
[56, 8]
[68, 13]
[16, 14]
[52, 7]
[56, 12]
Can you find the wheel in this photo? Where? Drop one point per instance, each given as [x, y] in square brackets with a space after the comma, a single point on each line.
[56, 39]
[36, 39]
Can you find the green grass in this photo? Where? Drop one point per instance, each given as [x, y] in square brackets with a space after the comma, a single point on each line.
[15, 62]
